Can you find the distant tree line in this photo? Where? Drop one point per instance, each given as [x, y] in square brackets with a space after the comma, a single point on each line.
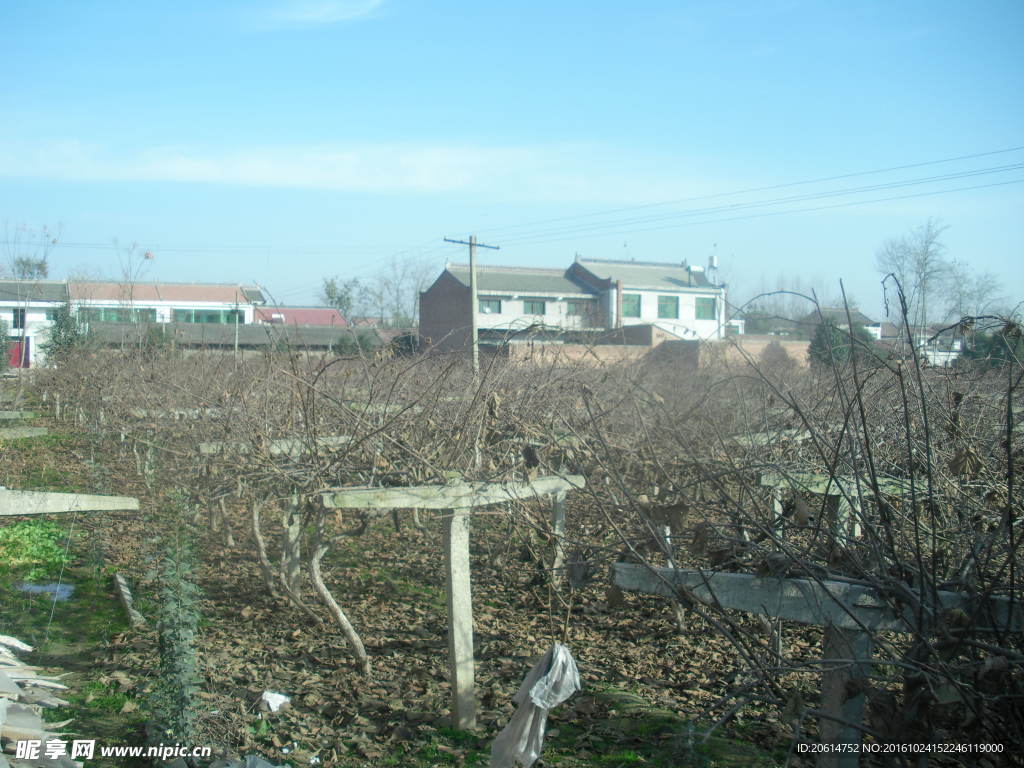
[936, 288]
[388, 298]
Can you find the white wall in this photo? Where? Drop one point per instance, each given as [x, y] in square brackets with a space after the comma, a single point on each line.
[36, 328]
[687, 320]
[556, 313]
[165, 309]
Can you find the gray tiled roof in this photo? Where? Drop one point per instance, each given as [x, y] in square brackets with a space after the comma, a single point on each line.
[253, 294]
[519, 280]
[33, 290]
[646, 274]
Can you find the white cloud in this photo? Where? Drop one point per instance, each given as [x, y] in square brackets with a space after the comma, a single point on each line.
[370, 168]
[538, 173]
[319, 12]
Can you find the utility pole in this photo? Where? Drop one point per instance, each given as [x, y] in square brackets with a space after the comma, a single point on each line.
[236, 331]
[473, 302]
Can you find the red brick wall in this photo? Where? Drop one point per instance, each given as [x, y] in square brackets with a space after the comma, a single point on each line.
[739, 348]
[599, 353]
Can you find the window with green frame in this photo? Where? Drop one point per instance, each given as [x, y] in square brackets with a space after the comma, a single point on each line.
[221, 316]
[533, 306]
[705, 309]
[490, 306]
[631, 305]
[668, 307]
[579, 308]
[116, 315]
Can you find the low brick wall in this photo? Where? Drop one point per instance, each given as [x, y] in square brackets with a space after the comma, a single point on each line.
[738, 349]
[599, 353]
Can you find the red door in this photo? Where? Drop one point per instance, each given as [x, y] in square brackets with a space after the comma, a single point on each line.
[17, 355]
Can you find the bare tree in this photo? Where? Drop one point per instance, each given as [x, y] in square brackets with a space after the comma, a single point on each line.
[394, 290]
[346, 296]
[779, 308]
[390, 296]
[969, 293]
[918, 261]
[28, 251]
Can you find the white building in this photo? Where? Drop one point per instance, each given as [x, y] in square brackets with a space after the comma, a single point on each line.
[118, 302]
[678, 298]
[30, 306]
[591, 297]
[27, 307]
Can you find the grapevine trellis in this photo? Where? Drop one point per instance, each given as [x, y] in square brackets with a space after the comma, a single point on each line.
[914, 485]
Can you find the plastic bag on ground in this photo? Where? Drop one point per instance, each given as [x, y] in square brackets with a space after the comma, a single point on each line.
[551, 681]
[274, 702]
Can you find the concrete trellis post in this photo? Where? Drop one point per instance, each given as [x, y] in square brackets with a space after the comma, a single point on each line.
[16, 415]
[461, 661]
[43, 503]
[847, 611]
[843, 493]
[459, 499]
[288, 447]
[20, 433]
[291, 551]
[558, 547]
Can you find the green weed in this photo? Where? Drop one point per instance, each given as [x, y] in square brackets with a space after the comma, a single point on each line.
[33, 550]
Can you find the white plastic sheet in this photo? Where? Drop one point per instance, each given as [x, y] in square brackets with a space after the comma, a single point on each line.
[552, 680]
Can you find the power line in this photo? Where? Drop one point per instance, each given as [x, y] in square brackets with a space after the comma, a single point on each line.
[530, 233]
[801, 210]
[751, 190]
[217, 249]
[422, 252]
[595, 227]
[526, 225]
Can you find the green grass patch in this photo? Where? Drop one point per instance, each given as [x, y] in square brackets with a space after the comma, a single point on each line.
[72, 644]
[410, 590]
[44, 441]
[394, 580]
[49, 479]
[625, 731]
[449, 747]
[32, 550]
[89, 619]
[634, 732]
[102, 698]
[70, 637]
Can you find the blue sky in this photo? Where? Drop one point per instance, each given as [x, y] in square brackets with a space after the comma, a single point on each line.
[280, 141]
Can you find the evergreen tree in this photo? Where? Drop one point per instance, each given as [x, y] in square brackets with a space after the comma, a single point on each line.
[831, 344]
[999, 348]
[65, 335]
[5, 361]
